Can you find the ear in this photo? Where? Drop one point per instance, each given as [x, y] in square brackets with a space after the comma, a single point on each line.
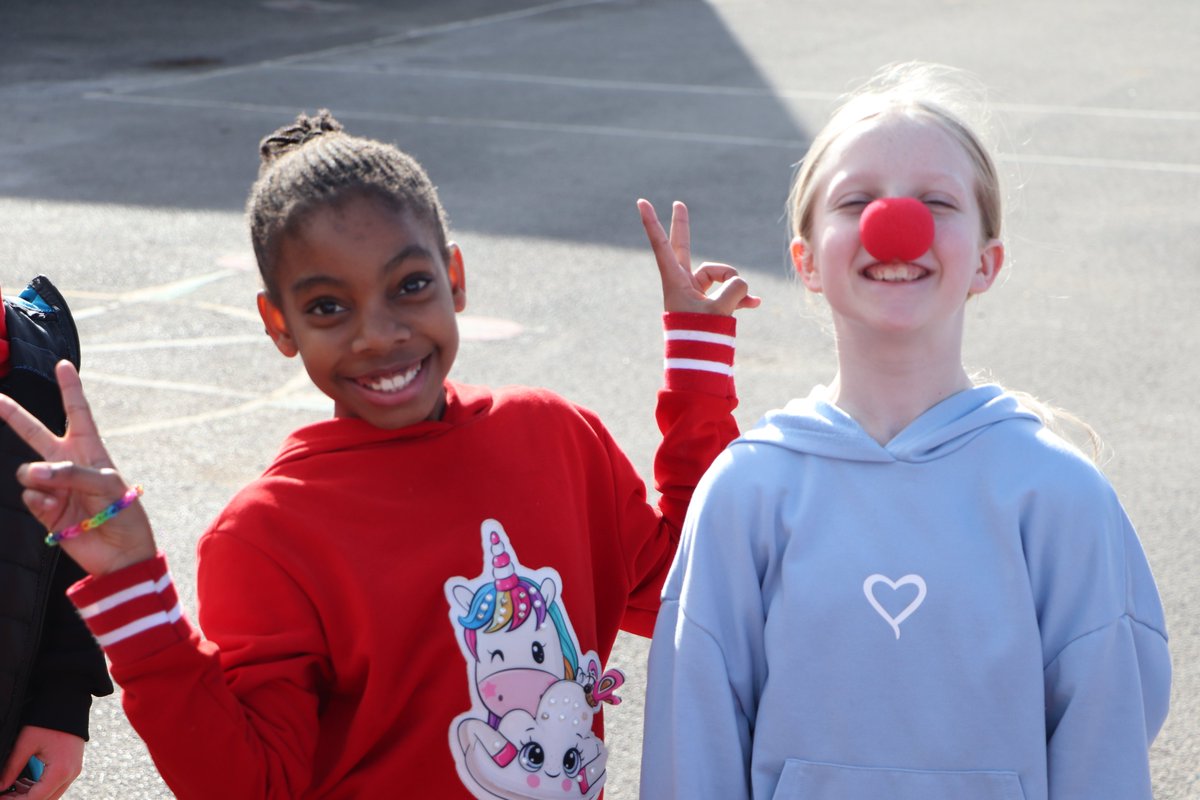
[464, 595]
[458, 277]
[803, 262]
[549, 591]
[991, 259]
[276, 326]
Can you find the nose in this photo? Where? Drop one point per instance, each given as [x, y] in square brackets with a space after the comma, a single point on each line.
[896, 228]
[379, 330]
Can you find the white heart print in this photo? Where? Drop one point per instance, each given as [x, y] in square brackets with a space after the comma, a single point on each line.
[907, 580]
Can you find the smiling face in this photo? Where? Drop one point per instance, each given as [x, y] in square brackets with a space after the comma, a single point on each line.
[897, 155]
[517, 665]
[368, 302]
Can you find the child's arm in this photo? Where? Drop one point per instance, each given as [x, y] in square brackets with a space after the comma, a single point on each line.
[215, 731]
[707, 664]
[694, 409]
[209, 738]
[1107, 667]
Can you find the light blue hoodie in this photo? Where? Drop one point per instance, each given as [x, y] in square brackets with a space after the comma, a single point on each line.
[964, 613]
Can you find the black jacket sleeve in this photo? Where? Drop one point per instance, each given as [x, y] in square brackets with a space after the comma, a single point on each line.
[69, 668]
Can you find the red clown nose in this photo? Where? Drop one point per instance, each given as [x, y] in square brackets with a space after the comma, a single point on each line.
[896, 229]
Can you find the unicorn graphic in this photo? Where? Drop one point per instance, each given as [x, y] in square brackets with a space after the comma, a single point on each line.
[541, 755]
[522, 656]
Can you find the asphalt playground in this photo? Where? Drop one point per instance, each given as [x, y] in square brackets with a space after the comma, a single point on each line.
[129, 139]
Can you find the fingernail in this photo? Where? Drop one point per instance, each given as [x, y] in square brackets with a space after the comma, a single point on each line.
[41, 471]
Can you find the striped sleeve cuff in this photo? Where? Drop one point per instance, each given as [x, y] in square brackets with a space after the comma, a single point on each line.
[133, 612]
[699, 353]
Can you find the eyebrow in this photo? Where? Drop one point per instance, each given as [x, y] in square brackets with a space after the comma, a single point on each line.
[411, 251]
[936, 178]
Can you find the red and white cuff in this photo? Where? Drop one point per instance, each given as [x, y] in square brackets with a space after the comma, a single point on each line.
[699, 352]
[132, 612]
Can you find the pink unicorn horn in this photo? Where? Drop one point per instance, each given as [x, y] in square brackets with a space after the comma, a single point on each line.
[502, 565]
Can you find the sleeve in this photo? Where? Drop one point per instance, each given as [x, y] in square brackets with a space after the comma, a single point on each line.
[697, 737]
[69, 668]
[706, 665]
[1108, 670]
[1106, 698]
[232, 717]
[695, 416]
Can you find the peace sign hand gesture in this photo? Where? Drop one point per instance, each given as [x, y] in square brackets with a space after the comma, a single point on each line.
[683, 289]
[76, 481]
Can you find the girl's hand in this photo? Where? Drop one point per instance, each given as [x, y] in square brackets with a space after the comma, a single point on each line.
[683, 289]
[76, 481]
[60, 752]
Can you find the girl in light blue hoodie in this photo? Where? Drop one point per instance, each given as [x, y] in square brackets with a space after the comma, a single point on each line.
[903, 586]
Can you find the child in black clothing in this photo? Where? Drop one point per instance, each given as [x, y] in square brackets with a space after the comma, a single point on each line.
[49, 664]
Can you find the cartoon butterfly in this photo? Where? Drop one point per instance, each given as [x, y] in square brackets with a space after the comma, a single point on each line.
[599, 688]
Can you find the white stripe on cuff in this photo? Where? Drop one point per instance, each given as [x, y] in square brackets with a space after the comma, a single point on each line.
[700, 336]
[137, 626]
[125, 595]
[697, 364]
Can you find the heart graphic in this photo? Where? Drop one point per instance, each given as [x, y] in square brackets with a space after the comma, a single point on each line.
[907, 580]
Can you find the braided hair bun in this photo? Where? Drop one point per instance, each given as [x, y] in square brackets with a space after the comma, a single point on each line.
[291, 137]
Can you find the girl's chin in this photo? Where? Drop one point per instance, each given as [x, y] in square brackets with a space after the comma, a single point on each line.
[391, 415]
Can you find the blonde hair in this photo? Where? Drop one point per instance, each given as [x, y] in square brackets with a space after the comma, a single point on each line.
[944, 96]
[1066, 425]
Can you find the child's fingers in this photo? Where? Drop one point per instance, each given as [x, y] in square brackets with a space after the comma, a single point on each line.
[750, 301]
[48, 476]
[674, 276]
[709, 273]
[16, 762]
[659, 242]
[27, 426]
[47, 507]
[49, 787]
[81, 425]
[50, 488]
[733, 294]
[681, 235]
[654, 229]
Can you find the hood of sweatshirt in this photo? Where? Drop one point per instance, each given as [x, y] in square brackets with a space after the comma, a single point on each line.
[464, 403]
[814, 426]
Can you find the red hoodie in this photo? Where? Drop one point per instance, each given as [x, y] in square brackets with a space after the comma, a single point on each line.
[331, 590]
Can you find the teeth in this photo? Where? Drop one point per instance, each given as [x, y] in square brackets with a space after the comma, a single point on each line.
[392, 383]
[894, 273]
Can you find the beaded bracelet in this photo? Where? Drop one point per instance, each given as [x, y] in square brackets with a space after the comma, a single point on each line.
[53, 538]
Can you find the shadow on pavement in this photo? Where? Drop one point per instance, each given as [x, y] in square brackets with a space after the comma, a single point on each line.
[540, 120]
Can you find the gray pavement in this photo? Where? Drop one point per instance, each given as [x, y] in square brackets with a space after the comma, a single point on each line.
[129, 140]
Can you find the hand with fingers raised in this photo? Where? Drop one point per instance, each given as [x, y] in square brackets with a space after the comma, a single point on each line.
[683, 288]
[76, 484]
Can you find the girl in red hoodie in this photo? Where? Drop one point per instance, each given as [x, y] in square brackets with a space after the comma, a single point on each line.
[351, 644]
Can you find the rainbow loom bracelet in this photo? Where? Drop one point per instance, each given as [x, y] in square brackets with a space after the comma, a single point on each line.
[104, 516]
